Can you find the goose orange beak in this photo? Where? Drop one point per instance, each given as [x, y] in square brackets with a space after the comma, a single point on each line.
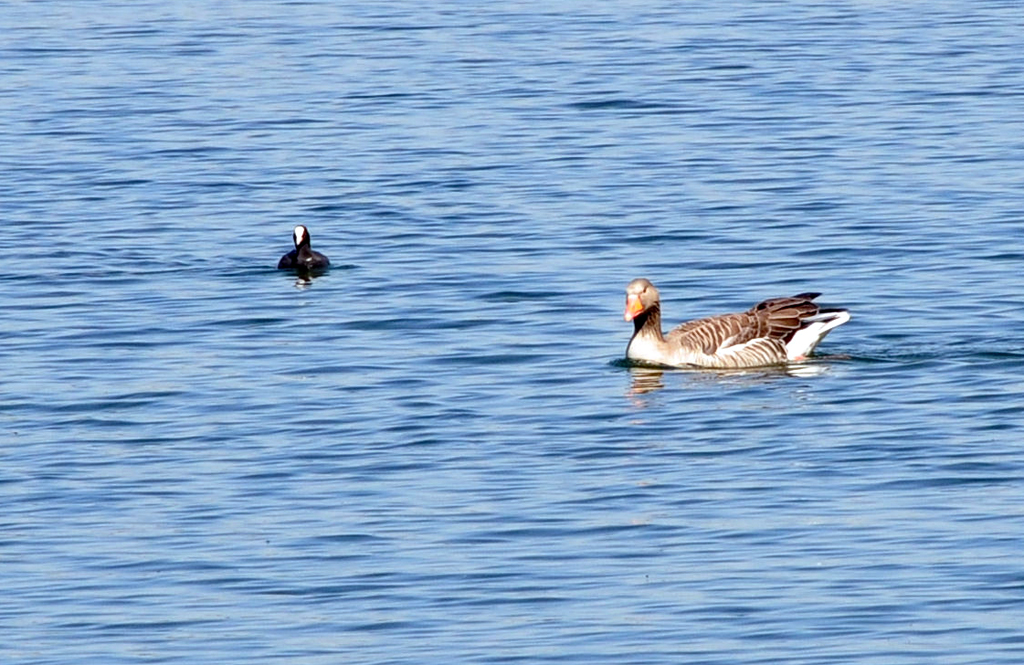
[633, 307]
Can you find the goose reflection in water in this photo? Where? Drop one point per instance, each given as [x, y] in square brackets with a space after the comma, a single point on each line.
[647, 379]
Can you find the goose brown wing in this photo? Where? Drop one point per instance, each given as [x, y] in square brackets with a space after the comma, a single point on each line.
[775, 318]
[780, 318]
[710, 334]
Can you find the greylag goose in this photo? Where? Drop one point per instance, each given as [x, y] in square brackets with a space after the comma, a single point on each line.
[303, 258]
[772, 332]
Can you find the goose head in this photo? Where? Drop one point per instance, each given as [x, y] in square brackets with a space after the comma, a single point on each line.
[641, 296]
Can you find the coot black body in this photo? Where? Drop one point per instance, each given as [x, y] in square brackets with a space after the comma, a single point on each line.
[303, 258]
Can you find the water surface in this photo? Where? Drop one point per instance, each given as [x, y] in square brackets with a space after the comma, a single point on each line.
[434, 453]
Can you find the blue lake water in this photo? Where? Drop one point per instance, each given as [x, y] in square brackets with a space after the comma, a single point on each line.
[434, 453]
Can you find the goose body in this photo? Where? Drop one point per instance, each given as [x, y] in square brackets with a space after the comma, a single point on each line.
[303, 258]
[772, 332]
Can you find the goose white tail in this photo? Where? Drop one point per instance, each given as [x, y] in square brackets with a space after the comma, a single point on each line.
[813, 331]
